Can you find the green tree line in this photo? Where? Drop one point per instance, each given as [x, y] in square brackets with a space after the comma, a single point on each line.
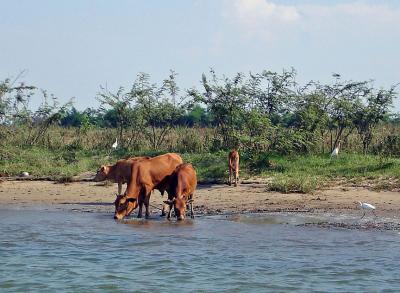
[260, 112]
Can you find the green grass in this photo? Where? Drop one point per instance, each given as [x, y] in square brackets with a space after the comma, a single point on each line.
[285, 174]
[307, 173]
[210, 167]
[44, 162]
[299, 184]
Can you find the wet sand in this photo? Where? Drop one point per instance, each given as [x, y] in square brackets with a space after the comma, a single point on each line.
[209, 199]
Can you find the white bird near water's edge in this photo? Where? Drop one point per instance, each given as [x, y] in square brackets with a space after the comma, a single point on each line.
[367, 206]
[115, 144]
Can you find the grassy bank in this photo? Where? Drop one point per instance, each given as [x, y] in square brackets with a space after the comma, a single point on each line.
[307, 173]
[283, 173]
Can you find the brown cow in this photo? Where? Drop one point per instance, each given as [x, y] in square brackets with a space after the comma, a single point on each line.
[146, 175]
[119, 173]
[233, 162]
[181, 186]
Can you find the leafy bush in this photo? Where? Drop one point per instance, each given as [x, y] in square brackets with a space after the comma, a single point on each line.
[390, 146]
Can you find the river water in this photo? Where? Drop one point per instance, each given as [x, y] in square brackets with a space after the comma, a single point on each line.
[47, 251]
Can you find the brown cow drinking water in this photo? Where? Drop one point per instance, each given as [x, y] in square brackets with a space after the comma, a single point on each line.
[146, 175]
[233, 164]
[180, 187]
[119, 173]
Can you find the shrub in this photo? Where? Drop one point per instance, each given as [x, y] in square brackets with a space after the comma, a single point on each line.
[297, 184]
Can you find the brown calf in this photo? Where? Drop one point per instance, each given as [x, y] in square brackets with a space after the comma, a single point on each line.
[181, 186]
[146, 175]
[233, 163]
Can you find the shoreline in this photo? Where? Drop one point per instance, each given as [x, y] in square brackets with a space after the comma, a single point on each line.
[334, 206]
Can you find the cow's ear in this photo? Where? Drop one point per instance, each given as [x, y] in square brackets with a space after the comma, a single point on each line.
[102, 168]
[131, 199]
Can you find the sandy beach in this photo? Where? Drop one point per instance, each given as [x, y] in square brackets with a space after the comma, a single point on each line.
[209, 199]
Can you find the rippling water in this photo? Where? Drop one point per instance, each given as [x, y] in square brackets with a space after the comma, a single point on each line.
[49, 251]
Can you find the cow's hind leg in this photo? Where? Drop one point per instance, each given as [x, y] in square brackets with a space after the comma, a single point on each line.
[236, 177]
[119, 188]
[237, 172]
[146, 204]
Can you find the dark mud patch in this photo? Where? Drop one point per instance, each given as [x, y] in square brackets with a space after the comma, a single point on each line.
[368, 226]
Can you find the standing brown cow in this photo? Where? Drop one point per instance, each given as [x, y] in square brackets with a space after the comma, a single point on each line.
[233, 163]
[180, 187]
[146, 175]
[119, 173]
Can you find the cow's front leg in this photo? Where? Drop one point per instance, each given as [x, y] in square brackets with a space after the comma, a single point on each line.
[164, 209]
[236, 177]
[190, 205]
[191, 210]
[140, 208]
[146, 192]
[230, 177]
[170, 212]
[119, 188]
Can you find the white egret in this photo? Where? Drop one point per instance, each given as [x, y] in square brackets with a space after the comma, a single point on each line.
[115, 144]
[335, 151]
[367, 207]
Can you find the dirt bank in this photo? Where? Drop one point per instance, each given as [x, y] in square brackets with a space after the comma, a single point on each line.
[209, 199]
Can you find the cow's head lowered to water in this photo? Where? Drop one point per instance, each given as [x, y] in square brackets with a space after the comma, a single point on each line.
[124, 206]
[179, 204]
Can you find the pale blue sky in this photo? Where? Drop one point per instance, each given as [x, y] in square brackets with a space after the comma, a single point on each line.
[72, 47]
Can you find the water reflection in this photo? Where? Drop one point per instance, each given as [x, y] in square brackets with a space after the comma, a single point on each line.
[155, 223]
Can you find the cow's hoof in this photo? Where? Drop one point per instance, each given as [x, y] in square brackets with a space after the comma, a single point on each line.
[139, 216]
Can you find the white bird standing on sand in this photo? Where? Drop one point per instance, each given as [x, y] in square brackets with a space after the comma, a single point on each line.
[115, 144]
[335, 152]
[367, 206]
